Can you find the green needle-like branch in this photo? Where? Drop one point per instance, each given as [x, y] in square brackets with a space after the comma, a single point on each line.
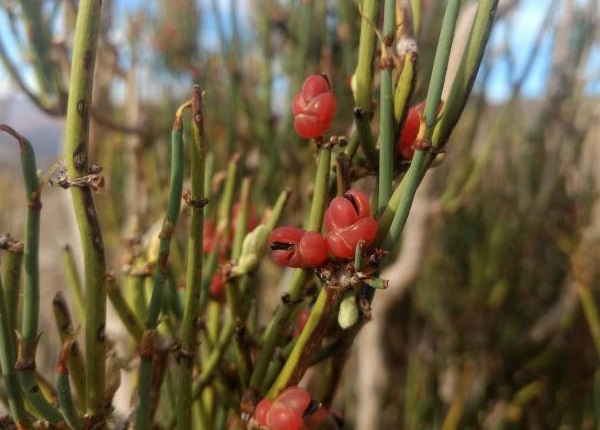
[76, 149]
[364, 79]
[147, 346]
[191, 309]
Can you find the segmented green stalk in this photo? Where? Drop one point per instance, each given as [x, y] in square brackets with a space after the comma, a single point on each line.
[62, 316]
[28, 338]
[65, 398]
[76, 149]
[272, 336]
[217, 351]
[127, 316]
[396, 211]
[386, 108]
[7, 359]
[364, 78]
[143, 413]
[11, 277]
[74, 281]
[191, 311]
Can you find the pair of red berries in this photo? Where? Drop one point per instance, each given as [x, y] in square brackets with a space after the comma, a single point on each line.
[347, 221]
[293, 409]
[314, 107]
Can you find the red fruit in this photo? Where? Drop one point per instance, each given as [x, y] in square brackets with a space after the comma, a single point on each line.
[217, 288]
[282, 418]
[294, 398]
[410, 131]
[260, 413]
[342, 242]
[348, 222]
[295, 247]
[313, 107]
[321, 420]
[346, 210]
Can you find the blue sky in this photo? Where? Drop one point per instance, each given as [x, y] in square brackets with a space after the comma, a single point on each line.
[520, 36]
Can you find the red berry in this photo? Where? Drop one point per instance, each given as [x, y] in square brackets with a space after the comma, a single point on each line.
[322, 419]
[217, 288]
[295, 247]
[282, 418]
[260, 413]
[342, 242]
[346, 210]
[313, 107]
[348, 222]
[410, 131]
[294, 398]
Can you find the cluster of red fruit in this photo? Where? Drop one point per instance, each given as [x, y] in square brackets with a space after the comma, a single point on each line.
[293, 409]
[347, 221]
[315, 105]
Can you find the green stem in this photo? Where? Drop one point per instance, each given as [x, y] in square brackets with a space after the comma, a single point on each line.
[28, 338]
[194, 267]
[272, 336]
[364, 79]
[62, 316]
[127, 316]
[7, 360]
[465, 76]
[76, 148]
[74, 281]
[143, 414]
[386, 108]
[309, 340]
[65, 398]
[405, 191]
[11, 277]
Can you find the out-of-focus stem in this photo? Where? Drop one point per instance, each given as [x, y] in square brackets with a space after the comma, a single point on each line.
[405, 191]
[74, 281]
[127, 316]
[465, 76]
[386, 108]
[11, 278]
[28, 338]
[7, 359]
[76, 149]
[65, 399]
[364, 79]
[66, 331]
[191, 311]
[147, 347]
[272, 336]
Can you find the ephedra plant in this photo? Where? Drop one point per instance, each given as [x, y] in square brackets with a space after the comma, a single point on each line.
[204, 357]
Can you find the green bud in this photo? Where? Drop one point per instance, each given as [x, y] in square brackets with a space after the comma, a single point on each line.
[254, 247]
[348, 314]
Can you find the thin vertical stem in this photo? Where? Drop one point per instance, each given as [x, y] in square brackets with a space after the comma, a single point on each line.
[272, 335]
[76, 148]
[194, 267]
[144, 407]
[386, 113]
[364, 79]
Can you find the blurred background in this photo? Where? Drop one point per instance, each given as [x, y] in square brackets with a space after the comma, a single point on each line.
[491, 317]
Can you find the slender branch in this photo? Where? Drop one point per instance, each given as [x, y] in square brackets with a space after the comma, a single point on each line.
[76, 148]
[194, 266]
